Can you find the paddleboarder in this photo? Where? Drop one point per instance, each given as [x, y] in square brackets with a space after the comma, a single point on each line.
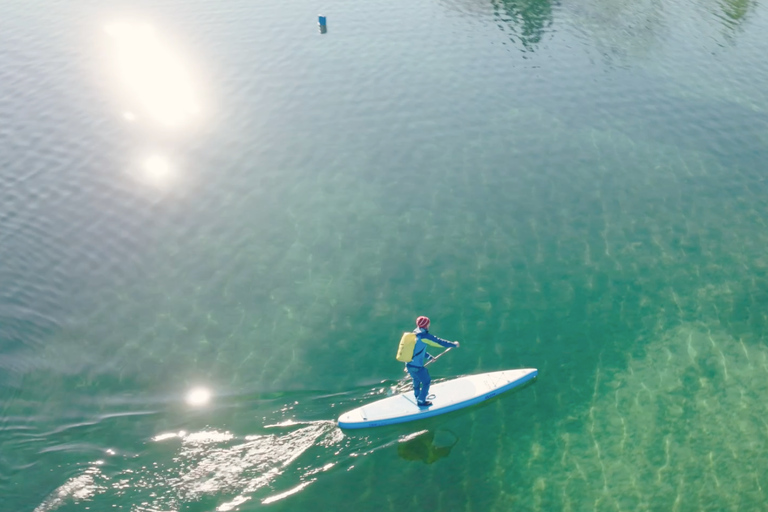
[415, 367]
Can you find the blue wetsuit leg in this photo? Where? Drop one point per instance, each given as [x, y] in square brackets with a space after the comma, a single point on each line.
[421, 380]
[414, 373]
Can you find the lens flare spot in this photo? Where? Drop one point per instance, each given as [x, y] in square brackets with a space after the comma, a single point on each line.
[198, 396]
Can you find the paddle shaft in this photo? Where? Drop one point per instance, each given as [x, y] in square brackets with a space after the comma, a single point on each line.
[438, 356]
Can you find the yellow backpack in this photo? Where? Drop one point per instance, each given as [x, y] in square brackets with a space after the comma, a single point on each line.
[405, 349]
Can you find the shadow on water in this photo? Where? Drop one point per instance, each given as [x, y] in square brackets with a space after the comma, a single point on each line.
[427, 446]
[427, 440]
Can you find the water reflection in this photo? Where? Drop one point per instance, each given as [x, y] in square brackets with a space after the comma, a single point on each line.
[735, 12]
[639, 28]
[152, 74]
[525, 21]
[616, 27]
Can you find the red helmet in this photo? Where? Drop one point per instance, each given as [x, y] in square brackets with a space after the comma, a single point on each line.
[422, 322]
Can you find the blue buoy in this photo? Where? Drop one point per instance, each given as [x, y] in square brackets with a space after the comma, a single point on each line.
[321, 22]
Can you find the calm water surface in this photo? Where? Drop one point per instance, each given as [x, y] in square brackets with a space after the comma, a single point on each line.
[216, 222]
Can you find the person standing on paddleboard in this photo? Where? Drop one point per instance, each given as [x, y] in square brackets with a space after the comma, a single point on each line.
[415, 367]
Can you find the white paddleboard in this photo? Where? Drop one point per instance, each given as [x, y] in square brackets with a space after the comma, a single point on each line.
[448, 396]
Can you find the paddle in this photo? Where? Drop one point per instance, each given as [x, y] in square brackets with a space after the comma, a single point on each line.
[399, 383]
[438, 356]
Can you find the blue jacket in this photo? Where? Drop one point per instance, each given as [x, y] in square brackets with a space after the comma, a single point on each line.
[424, 338]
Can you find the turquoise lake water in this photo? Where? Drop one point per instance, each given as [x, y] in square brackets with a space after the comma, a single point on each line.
[216, 222]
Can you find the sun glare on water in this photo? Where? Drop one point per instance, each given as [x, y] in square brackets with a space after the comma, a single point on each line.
[198, 396]
[152, 74]
[157, 171]
[157, 167]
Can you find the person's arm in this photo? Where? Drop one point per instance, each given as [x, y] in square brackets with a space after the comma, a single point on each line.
[431, 339]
